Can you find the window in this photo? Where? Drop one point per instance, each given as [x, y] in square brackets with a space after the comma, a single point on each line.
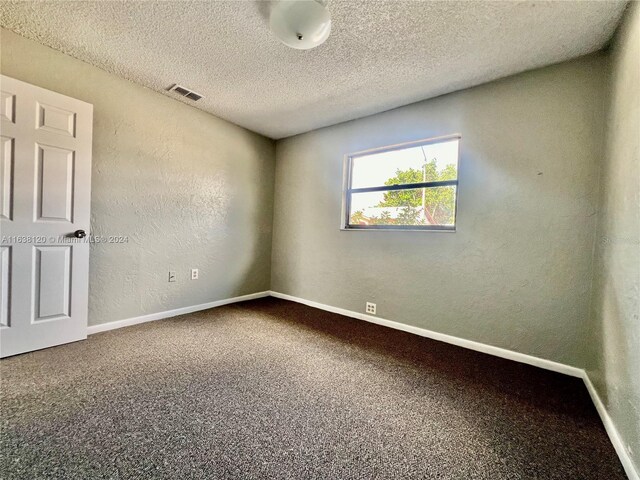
[412, 186]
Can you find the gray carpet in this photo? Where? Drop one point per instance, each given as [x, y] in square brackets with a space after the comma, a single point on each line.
[273, 389]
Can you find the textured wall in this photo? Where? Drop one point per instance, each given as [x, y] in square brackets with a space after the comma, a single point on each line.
[517, 272]
[615, 368]
[189, 190]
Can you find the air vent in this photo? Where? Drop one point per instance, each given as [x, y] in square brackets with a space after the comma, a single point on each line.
[193, 96]
[185, 92]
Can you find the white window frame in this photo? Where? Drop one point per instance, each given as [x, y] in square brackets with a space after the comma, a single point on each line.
[347, 191]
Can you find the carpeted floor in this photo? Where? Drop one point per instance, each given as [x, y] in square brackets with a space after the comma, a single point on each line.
[273, 389]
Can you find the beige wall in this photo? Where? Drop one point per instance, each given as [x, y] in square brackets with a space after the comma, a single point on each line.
[615, 367]
[189, 189]
[517, 272]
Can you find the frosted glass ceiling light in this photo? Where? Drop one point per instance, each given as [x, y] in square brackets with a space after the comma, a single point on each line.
[301, 24]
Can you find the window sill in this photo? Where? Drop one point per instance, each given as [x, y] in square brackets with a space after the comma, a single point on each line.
[398, 229]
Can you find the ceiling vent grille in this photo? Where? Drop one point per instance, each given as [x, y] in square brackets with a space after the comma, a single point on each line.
[185, 92]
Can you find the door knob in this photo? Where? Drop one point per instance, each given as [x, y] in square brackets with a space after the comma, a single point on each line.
[79, 234]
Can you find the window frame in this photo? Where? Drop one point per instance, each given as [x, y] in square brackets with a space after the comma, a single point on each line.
[347, 191]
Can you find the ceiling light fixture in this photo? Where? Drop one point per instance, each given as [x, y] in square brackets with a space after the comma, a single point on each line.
[301, 24]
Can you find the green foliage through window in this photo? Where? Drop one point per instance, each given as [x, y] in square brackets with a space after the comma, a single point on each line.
[423, 206]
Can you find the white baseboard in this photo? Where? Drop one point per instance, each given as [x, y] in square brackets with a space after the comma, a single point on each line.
[442, 337]
[103, 327]
[611, 429]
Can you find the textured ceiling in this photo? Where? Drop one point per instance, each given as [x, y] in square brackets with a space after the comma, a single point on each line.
[380, 55]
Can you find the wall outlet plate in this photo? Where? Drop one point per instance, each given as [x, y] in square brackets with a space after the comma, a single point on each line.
[172, 275]
[370, 308]
[194, 274]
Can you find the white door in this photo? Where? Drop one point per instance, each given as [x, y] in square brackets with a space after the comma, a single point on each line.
[45, 194]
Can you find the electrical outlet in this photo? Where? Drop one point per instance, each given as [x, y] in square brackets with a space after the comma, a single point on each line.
[371, 308]
[194, 274]
[172, 276]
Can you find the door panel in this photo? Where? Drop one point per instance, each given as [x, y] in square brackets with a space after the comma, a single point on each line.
[5, 286]
[56, 120]
[53, 282]
[55, 184]
[6, 177]
[45, 197]
[7, 106]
